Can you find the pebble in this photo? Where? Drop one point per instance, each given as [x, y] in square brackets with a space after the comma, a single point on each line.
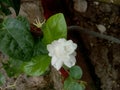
[105, 8]
[101, 28]
[96, 3]
[80, 5]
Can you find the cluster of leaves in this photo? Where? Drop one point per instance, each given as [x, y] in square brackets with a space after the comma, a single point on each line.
[27, 53]
[73, 81]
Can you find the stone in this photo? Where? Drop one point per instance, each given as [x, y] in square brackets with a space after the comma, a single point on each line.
[101, 28]
[80, 5]
[32, 9]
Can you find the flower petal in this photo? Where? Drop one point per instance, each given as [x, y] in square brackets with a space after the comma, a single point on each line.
[62, 40]
[70, 62]
[58, 65]
[70, 46]
[50, 49]
[54, 60]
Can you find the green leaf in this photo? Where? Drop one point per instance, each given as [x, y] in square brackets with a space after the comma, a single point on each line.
[70, 84]
[2, 79]
[39, 47]
[76, 72]
[37, 66]
[5, 4]
[4, 8]
[83, 85]
[67, 83]
[13, 67]
[54, 28]
[24, 21]
[16, 40]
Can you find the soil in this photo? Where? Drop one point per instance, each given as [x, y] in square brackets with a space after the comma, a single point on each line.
[99, 58]
[104, 55]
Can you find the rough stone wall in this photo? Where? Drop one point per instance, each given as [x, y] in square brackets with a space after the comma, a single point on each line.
[31, 9]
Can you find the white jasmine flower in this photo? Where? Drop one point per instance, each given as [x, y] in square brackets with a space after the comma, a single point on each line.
[62, 52]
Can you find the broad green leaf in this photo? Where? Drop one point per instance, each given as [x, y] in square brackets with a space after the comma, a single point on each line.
[16, 40]
[13, 67]
[24, 21]
[39, 47]
[70, 84]
[2, 79]
[54, 28]
[76, 72]
[37, 66]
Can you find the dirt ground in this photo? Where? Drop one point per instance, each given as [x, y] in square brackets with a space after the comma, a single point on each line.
[104, 54]
[99, 58]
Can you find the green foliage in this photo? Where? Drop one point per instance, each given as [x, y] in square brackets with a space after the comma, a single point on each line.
[16, 5]
[24, 21]
[13, 67]
[71, 84]
[2, 79]
[39, 47]
[29, 54]
[5, 4]
[37, 66]
[76, 72]
[54, 28]
[16, 40]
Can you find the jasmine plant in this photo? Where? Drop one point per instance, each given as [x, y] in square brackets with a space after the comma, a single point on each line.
[32, 55]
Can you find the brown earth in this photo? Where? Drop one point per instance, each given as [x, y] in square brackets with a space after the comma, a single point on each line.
[103, 54]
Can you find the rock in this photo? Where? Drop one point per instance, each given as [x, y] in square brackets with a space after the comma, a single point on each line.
[31, 9]
[105, 8]
[80, 5]
[96, 3]
[101, 28]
